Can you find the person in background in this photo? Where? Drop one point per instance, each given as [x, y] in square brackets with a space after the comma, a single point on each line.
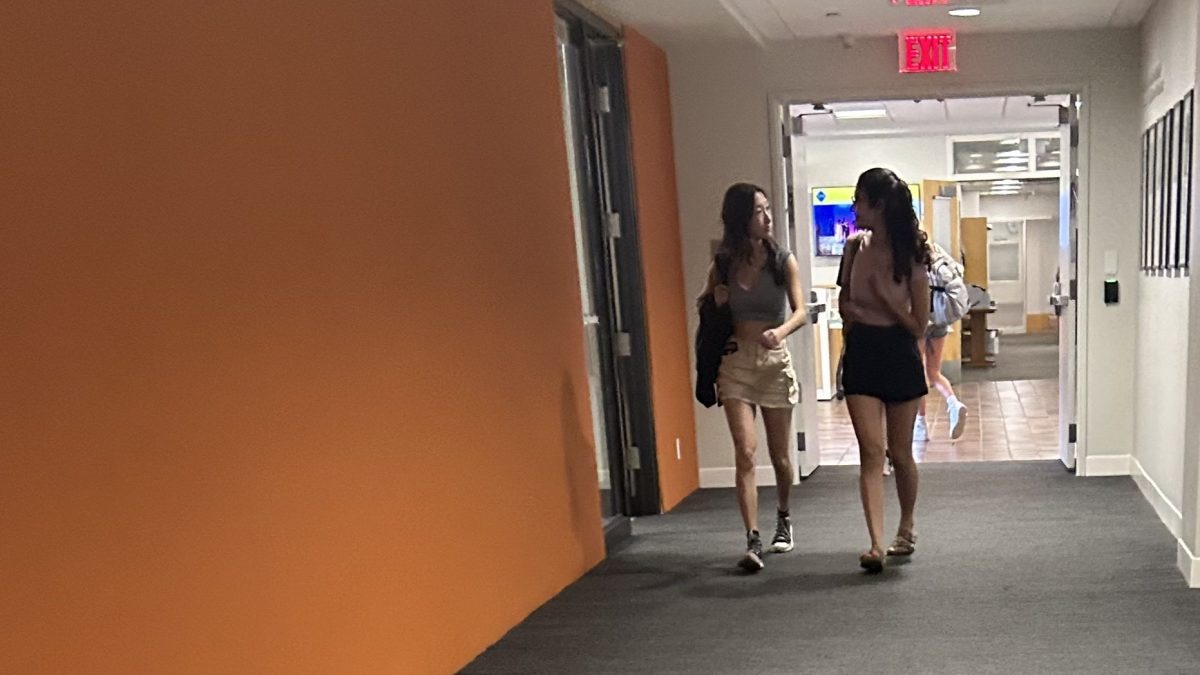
[932, 347]
[761, 282]
[884, 303]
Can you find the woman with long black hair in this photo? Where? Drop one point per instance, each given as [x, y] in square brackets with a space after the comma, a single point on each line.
[884, 304]
[760, 280]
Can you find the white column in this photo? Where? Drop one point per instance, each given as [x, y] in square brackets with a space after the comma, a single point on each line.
[1189, 541]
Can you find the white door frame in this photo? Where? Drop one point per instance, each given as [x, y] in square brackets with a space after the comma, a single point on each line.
[1071, 269]
[802, 343]
[777, 105]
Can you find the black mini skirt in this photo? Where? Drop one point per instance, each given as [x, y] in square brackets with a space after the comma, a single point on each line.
[882, 362]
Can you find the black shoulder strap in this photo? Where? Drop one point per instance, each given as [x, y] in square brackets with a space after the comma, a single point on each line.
[852, 247]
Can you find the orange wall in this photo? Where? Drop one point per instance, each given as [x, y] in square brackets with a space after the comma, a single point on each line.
[662, 262]
[292, 366]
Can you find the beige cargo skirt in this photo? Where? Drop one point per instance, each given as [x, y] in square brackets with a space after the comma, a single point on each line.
[757, 375]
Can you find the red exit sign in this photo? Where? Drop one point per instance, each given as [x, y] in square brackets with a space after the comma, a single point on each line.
[929, 51]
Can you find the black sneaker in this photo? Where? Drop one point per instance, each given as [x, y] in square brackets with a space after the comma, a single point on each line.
[782, 542]
[753, 560]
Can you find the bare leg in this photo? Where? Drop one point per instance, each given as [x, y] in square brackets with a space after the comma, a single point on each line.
[779, 430]
[934, 347]
[740, 416]
[933, 375]
[899, 434]
[926, 359]
[866, 413]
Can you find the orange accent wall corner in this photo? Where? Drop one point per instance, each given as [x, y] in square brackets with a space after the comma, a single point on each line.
[662, 263]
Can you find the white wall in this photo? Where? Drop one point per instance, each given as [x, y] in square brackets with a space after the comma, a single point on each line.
[839, 161]
[1019, 207]
[1189, 541]
[1040, 213]
[1168, 39]
[720, 95]
[833, 162]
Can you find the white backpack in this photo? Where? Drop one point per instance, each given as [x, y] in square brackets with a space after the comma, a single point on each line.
[947, 289]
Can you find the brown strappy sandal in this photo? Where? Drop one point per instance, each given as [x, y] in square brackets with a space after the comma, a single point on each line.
[872, 561]
[903, 545]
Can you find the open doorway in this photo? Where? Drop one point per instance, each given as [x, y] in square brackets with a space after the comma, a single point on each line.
[994, 183]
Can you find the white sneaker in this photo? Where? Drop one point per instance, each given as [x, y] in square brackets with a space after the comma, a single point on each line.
[958, 420]
[920, 431]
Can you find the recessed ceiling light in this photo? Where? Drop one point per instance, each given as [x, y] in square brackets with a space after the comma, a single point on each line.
[1012, 160]
[1012, 153]
[965, 12]
[976, 155]
[862, 114]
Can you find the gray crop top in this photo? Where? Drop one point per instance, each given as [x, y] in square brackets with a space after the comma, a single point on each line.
[764, 301]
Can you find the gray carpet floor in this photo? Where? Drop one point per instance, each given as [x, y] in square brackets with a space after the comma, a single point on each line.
[1033, 356]
[1020, 568]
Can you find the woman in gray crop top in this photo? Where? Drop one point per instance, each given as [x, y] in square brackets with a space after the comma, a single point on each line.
[760, 282]
[884, 303]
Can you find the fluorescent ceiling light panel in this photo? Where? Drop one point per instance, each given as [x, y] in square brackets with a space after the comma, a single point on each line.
[861, 114]
[965, 12]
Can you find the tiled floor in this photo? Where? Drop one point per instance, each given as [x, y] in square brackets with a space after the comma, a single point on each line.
[1007, 420]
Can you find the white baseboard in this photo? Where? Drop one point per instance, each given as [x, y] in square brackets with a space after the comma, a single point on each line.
[1108, 465]
[1170, 515]
[726, 477]
[1189, 564]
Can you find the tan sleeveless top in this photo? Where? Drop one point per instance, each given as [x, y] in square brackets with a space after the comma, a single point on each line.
[861, 263]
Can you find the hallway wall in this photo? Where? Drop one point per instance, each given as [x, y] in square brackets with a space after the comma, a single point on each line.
[285, 389]
[1168, 41]
[667, 301]
[720, 100]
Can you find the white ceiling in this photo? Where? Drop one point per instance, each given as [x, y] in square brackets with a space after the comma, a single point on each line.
[960, 115]
[768, 21]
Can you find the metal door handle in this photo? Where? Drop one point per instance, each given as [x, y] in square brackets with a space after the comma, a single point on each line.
[815, 309]
[1059, 302]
